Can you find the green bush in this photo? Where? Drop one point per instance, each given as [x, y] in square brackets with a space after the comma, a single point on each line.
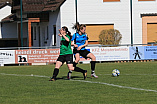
[110, 37]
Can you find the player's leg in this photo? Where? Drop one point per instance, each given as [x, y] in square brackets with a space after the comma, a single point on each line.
[59, 63]
[77, 58]
[93, 62]
[77, 69]
[69, 62]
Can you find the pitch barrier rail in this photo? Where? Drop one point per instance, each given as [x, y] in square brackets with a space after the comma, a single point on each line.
[103, 53]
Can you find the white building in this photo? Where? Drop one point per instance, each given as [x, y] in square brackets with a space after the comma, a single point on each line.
[116, 13]
[7, 31]
[96, 14]
[5, 10]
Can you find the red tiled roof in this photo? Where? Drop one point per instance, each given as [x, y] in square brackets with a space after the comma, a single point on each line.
[35, 6]
[52, 5]
[4, 4]
[39, 5]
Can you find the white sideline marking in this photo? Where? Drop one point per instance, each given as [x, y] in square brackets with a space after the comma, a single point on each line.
[129, 74]
[24, 75]
[133, 88]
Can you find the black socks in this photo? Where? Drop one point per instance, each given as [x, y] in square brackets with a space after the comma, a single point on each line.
[74, 64]
[55, 73]
[93, 66]
[77, 69]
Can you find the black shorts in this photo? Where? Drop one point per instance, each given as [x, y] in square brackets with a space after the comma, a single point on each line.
[66, 58]
[82, 53]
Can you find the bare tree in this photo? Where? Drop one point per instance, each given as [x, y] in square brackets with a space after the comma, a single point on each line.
[110, 37]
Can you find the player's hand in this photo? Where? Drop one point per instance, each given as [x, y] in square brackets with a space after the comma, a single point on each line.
[75, 45]
[79, 48]
[60, 35]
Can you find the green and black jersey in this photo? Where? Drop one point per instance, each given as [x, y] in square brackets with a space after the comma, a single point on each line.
[65, 47]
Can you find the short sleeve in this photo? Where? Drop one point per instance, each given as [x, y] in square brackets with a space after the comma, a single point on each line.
[68, 36]
[73, 37]
[86, 37]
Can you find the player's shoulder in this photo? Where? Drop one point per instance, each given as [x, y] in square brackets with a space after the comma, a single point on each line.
[67, 36]
[75, 34]
[84, 34]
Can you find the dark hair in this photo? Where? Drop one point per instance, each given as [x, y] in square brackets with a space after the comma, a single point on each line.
[78, 26]
[67, 31]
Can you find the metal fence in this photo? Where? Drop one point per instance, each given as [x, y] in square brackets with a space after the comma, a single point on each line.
[90, 45]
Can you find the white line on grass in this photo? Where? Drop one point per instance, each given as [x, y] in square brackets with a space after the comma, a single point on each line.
[133, 88]
[130, 74]
[24, 75]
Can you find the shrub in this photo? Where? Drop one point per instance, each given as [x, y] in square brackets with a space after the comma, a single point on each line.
[110, 37]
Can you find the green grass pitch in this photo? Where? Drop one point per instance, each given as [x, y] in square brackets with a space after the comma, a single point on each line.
[137, 84]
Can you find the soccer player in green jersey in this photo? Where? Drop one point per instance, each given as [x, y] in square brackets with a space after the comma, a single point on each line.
[66, 55]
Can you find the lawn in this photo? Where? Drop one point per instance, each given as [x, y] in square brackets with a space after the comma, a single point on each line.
[137, 84]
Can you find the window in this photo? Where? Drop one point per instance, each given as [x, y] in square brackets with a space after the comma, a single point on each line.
[110, 0]
[35, 33]
[32, 35]
[39, 35]
[54, 33]
[16, 2]
[47, 33]
[146, 0]
[151, 32]
[93, 31]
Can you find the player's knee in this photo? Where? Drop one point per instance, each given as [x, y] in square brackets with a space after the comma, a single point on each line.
[93, 58]
[77, 60]
[71, 68]
[57, 67]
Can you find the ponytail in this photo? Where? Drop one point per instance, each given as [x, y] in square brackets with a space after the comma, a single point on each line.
[78, 26]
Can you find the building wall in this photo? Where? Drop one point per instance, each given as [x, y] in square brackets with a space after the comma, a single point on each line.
[67, 15]
[54, 20]
[141, 7]
[116, 13]
[93, 12]
[9, 30]
[0, 32]
[4, 12]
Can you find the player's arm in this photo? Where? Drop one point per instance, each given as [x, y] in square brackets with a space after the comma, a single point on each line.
[86, 43]
[66, 38]
[72, 44]
[72, 41]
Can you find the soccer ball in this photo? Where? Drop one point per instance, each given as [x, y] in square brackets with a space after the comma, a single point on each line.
[115, 72]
